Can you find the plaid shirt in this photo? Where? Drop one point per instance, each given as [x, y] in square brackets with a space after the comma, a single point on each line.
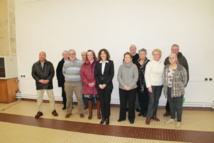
[179, 81]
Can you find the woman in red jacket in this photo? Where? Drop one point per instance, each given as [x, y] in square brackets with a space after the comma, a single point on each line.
[87, 75]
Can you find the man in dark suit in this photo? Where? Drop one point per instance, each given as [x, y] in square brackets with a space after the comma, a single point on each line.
[61, 78]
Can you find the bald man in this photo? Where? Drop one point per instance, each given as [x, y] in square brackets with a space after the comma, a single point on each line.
[135, 55]
[43, 73]
[135, 58]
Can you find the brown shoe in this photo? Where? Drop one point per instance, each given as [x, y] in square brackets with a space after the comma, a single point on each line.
[68, 115]
[166, 114]
[155, 118]
[39, 114]
[81, 116]
[54, 113]
[147, 121]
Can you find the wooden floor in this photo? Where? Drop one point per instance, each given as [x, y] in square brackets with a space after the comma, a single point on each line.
[17, 124]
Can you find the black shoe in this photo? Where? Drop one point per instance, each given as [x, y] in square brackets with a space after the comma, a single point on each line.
[102, 121]
[64, 108]
[120, 120]
[140, 114]
[131, 122]
[144, 114]
[137, 110]
[107, 121]
[127, 109]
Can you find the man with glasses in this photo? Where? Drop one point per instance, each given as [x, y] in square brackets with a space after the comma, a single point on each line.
[73, 83]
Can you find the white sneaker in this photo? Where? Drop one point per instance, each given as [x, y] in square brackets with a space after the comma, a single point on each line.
[178, 125]
[170, 121]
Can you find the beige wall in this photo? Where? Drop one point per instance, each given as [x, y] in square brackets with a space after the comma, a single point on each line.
[7, 28]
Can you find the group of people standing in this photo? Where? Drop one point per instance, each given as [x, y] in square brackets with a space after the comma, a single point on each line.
[140, 81]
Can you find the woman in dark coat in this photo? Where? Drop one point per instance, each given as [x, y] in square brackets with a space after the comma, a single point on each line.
[142, 91]
[104, 73]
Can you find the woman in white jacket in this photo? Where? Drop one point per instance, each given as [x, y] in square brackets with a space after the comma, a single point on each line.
[154, 83]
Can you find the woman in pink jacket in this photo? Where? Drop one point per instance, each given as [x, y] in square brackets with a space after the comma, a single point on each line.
[87, 75]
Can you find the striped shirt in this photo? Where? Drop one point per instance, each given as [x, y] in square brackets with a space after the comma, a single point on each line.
[71, 70]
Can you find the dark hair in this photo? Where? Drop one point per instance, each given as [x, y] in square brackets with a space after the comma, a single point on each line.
[106, 52]
[127, 53]
[95, 58]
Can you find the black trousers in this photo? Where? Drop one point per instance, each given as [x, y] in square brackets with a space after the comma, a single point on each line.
[143, 99]
[127, 97]
[154, 101]
[105, 100]
[64, 99]
[167, 106]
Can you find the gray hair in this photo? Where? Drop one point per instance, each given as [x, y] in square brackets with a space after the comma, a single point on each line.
[174, 55]
[65, 52]
[133, 46]
[175, 45]
[142, 50]
[72, 50]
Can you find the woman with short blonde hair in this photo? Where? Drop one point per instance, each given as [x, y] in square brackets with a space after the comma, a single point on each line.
[154, 83]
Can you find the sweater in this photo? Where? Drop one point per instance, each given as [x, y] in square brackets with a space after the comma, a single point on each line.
[154, 73]
[71, 70]
[127, 75]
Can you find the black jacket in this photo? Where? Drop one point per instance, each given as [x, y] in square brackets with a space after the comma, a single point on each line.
[59, 74]
[135, 58]
[141, 69]
[46, 73]
[108, 75]
[182, 60]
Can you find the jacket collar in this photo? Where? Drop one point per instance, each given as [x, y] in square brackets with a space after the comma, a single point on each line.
[179, 67]
[40, 62]
[105, 62]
